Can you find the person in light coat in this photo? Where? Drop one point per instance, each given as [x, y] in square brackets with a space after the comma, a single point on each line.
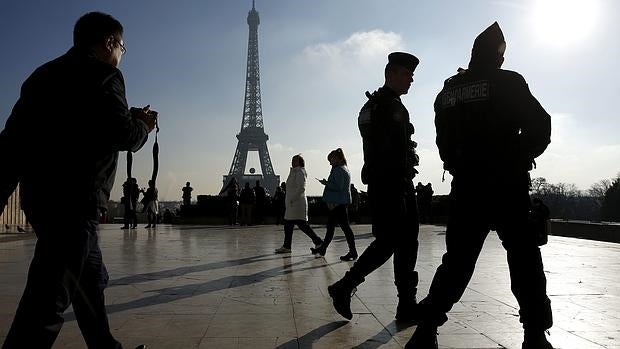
[296, 211]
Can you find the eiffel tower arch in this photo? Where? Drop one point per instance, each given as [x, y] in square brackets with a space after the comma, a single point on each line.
[252, 136]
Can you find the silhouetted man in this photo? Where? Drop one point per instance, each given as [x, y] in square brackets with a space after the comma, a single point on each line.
[247, 201]
[489, 130]
[355, 204]
[131, 192]
[389, 160]
[187, 194]
[74, 113]
[260, 203]
[278, 204]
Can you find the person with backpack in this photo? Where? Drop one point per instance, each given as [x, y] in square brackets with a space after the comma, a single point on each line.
[490, 128]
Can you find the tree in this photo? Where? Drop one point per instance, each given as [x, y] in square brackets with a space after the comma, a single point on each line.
[597, 192]
[610, 209]
[539, 185]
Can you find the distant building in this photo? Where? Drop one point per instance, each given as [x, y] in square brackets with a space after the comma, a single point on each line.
[13, 216]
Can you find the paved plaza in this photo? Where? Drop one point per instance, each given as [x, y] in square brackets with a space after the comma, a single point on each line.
[222, 287]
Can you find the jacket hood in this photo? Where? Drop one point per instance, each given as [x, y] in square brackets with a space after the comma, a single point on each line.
[488, 47]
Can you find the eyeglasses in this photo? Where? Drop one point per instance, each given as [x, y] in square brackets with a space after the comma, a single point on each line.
[123, 49]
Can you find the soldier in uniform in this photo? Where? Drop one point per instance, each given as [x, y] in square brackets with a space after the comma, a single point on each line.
[389, 160]
[489, 130]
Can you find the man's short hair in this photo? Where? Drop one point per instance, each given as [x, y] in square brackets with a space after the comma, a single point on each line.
[94, 27]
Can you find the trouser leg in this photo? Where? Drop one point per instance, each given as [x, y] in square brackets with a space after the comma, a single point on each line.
[38, 319]
[305, 227]
[528, 281]
[343, 221]
[127, 217]
[54, 278]
[331, 228]
[406, 251]
[288, 233]
[134, 217]
[374, 256]
[464, 240]
[527, 278]
[89, 300]
[387, 215]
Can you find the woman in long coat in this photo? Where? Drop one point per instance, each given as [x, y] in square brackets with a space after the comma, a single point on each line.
[296, 206]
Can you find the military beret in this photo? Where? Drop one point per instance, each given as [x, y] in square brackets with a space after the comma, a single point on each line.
[404, 59]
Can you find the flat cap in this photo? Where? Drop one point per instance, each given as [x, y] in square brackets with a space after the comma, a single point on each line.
[404, 59]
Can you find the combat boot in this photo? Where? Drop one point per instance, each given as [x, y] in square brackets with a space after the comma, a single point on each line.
[535, 340]
[424, 337]
[341, 293]
[407, 309]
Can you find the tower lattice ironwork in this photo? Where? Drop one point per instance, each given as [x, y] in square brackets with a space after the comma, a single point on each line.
[252, 136]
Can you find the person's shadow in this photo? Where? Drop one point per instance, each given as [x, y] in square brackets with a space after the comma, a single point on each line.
[309, 338]
[176, 293]
[384, 336]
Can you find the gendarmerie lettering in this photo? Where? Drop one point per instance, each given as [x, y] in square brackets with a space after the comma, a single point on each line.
[471, 92]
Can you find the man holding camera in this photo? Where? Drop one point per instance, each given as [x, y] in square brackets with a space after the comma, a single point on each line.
[62, 140]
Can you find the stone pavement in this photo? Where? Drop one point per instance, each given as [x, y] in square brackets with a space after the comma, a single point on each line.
[222, 287]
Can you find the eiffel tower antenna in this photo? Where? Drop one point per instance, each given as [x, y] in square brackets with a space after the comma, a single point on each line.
[252, 136]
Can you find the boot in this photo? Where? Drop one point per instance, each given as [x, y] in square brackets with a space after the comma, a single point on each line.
[319, 250]
[341, 293]
[407, 309]
[424, 337]
[351, 256]
[535, 340]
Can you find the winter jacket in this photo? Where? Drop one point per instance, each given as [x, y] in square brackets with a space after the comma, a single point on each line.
[295, 201]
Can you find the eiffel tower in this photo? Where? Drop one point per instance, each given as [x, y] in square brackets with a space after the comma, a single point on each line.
[252, 136]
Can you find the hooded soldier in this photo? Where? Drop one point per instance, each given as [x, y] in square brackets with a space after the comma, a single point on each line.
[489, 130]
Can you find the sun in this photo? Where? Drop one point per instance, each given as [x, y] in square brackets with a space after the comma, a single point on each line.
[564, 23]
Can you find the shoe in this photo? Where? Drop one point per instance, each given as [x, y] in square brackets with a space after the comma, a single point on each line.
[407, 310]
[424, 337]
[341, 295]
[142, 346]
[351, 256]
[318, 251]
[536, 341]
[282, 250]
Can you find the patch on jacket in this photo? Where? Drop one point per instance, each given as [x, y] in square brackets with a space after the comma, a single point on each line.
[472, 92]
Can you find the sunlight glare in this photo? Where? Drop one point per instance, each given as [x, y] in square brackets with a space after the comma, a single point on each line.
[564, 22]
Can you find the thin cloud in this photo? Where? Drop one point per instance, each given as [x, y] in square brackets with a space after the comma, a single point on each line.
[360, 48]
[279, 147]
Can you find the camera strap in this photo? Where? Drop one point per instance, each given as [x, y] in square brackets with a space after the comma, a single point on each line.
[155, 157]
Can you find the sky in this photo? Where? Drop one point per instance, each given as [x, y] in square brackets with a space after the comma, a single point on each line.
[187, 59]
